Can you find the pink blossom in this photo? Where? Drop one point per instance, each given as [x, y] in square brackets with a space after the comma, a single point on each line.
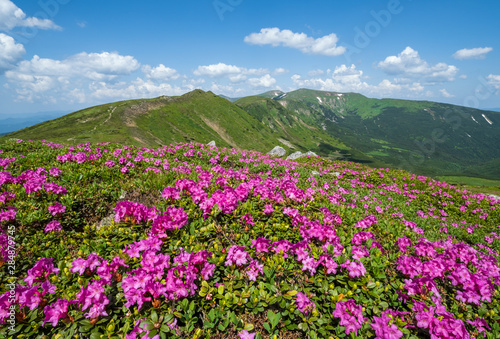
[53, 226]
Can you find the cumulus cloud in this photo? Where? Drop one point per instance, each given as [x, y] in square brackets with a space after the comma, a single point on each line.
[343, 79]
[472, 53]
[138, 88]
[95, 66]
[350, 79]
[42, 77]
[408, 63]
[10, 52]
[217, 70]
[445, 93]
[494, 81]
[326, 45]
[264, 81]
[315, 72]
[161, 73]
[12, 16]
[232, 72]
[280, 70]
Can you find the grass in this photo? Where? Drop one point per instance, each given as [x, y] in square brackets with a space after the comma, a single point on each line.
[474, 184]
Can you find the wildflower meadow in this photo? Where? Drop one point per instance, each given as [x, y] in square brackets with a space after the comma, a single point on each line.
[194, 241]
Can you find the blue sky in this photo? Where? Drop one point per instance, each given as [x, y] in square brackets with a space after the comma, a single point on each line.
[64, 55]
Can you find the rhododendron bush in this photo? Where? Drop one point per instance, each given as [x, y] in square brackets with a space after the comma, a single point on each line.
[195, 241]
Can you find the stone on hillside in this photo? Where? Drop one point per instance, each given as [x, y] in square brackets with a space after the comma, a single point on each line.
[211, 143]
[106, 222]
[295, 155]
[315, 173]
[494, 196]
[311, 153]
[277, 151]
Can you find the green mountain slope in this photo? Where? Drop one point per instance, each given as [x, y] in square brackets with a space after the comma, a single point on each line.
[429, 138]
[195, 116]
[291, 127]
[421, 136]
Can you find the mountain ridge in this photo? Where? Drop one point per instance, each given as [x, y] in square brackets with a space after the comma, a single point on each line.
[422, 136]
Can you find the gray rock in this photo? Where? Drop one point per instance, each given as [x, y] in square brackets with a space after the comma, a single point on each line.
[310, 153]
[295, 155]
[212, 143]
[335, 173]
[106, 221]
[278, 151]
[315, 173]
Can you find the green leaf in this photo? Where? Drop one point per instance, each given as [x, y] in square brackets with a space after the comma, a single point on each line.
[303, 326]
[274, 318]
[154, 316]
[211, 315]
[249, 327]
[267, 327]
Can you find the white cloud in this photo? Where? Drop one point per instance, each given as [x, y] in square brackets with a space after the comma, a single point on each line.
[280, 70]
[472, 53]
[264, 81]
[217, 70]
[409, 64]
[105, 63]
[445, 93]
[315, 72]
[234, 73]
[326, 45]
[10, 52]
[161, 73]
[350, 79]
[95, 66]
[42, 78]
[343, 79]
[494, 81]
[12, 16]
[138, 88]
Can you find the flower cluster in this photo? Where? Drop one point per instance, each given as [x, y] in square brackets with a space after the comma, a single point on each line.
[350, 315]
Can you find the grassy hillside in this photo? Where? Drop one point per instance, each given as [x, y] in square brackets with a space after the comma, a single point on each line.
[292, 128]
[425, 137]
[196, 116]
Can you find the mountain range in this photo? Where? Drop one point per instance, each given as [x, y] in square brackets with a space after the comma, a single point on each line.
[421, 136]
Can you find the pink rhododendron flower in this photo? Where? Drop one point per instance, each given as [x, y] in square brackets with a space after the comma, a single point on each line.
[57, 208]
[246, 335]
[304, 304]
[350, 315]
[53, 226]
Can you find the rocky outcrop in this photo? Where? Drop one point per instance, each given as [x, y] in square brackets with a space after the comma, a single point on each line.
[295, 155]
[212, 143]
[299, 154]
[277, 151]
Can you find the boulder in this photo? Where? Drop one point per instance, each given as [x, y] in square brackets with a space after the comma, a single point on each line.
[278, 151]
[310, 153]
[295, 155]
[212, 143]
